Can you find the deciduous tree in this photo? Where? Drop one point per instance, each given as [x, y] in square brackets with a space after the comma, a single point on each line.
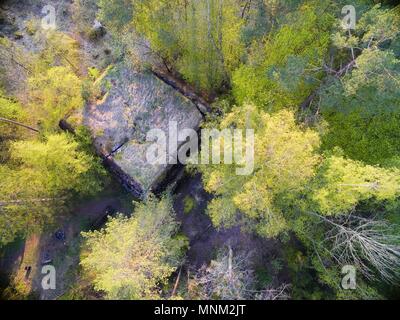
[131, 258]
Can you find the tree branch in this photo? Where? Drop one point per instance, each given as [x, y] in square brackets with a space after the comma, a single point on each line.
[19, 124]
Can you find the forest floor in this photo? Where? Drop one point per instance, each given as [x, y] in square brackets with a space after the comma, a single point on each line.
[205, 241]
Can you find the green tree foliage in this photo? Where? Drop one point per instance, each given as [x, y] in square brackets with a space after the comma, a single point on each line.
[360, 103]
[132, 257]
[281, 149]
[335, 186]
[341, 184]
[374, 28]
[314, 280]
[41, 171]
[263, 16]
[281, 73]
[85, 14]
[362, 107]
[211, 41]
[40, 177]
[115, 14]
[290, 177]
[59, 49]
[200, 39]
[60, 162]
[10, 110]
[55, 94]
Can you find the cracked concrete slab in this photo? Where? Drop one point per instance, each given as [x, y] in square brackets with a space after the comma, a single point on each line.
[133, 103]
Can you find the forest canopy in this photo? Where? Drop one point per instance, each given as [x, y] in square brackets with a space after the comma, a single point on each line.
[322, 98]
